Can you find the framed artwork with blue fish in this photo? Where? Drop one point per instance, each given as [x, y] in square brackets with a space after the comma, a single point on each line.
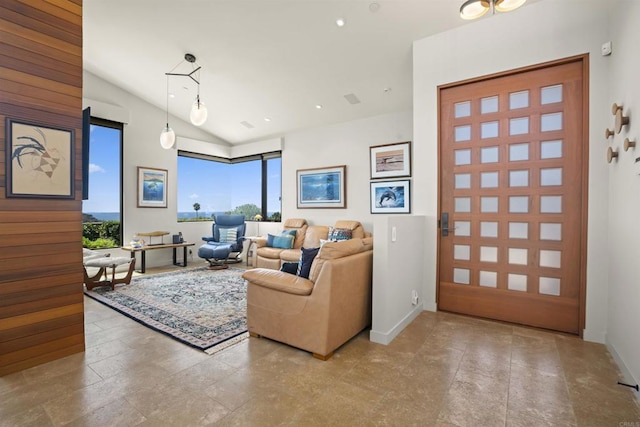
[322, 187]
[391, 197]
[39, 161]
[152, 187]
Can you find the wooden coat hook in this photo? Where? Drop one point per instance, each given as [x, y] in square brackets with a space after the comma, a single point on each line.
[614, 108]
[628, 144]
[611, 155]
[621, 120]
[608, 133]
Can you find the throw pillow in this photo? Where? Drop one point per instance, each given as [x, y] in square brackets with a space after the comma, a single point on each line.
[289, 267]
[336, 234]
[280, 242]
[228, 235]
[306, 259]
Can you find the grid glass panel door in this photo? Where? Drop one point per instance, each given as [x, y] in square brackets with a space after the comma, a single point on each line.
[511, 188]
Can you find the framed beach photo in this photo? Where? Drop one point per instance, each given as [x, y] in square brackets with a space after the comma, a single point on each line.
[322, 187]
[390, 197]
[390, 160]
[39, 161]
[152, 187]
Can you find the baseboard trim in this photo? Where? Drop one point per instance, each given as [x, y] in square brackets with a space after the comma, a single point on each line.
[386, 337]
[626, 373]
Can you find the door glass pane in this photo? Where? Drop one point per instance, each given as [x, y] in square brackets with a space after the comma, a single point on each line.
[489, 105]
[550, 258]
[489, 279]
[519, 178]
[489, 155]
[551, 149]
[462, 204]
[550, 177]
[551, 122]
[488, 204]
[518, 204]
[519, 100]
[488, 254]
[550, 231]
[518, 256]
[488, 229]
[462, 252]
[463, 157]
[489, 180]
[518, 152]
[462, 109]
[551, 94]
[519, 126]
[489, 130]
[551, 204]
[461, 276]
[517, 282]
[462, 228]
[549, 286]
[462, 133]
[462, 180]
[518, 230]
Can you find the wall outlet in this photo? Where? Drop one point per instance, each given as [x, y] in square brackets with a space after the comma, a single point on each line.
[415, 299]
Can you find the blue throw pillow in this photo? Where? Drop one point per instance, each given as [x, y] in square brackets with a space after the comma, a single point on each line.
[306, 259]
[336, 234]
[228, 235]
[280, 242]
[289, 267]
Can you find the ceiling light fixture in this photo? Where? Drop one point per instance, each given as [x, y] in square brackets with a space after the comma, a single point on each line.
[199, 112]
[340, 22]
[472, 9]
[319, 107]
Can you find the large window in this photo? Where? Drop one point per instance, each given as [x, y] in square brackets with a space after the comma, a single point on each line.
[208, 186]
[102, 211]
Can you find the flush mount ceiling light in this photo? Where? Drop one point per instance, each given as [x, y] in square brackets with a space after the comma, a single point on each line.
[472, 9]
[198, 114]
[340, 22]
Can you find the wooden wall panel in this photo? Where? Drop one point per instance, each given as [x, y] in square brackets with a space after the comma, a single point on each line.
[41, 300]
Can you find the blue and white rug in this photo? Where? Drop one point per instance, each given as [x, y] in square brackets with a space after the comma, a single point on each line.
[203, 308]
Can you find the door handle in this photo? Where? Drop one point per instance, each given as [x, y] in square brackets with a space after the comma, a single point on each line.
[444, 225]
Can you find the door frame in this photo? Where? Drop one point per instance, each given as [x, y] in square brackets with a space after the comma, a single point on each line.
[584, 60]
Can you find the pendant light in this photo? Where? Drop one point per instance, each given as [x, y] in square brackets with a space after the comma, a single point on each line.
[473, 9]
[168, 136]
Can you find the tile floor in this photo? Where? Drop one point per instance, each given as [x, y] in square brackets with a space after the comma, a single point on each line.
[442, 370]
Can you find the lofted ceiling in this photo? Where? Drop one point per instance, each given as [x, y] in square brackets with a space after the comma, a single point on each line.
[273, 59]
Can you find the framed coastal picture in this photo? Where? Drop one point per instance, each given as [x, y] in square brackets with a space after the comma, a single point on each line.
[152, 187]
[390, 160]
[391, 197]
[322, 187]
[39, 161]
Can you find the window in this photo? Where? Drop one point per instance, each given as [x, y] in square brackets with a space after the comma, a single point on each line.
[102, 211]
[208, 186]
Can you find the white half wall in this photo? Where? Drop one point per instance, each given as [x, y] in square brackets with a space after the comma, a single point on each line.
[536, 33]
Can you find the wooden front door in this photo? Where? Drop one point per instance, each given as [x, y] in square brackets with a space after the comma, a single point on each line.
[513, 196]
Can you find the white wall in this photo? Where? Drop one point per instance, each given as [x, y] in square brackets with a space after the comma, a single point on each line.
[624, 194]
[536, 33]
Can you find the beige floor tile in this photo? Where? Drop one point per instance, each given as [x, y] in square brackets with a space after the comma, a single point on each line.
[241, 386]
[117, 413]
[33, 416]
[268, 408]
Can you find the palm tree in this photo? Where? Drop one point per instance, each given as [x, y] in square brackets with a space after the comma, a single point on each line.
[196, 207]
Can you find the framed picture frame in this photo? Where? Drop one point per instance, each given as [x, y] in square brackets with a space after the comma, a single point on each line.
[152, 187]
[390, 160]
[39, 160]
[391, 197]
[322, 187]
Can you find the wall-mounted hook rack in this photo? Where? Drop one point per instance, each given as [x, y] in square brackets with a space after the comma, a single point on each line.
[621, 120]
[614, 108]
[611, 154]
[628, 144]
[608, 133]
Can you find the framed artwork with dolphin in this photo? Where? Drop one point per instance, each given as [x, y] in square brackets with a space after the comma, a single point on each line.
[390, 160]
[391, 197]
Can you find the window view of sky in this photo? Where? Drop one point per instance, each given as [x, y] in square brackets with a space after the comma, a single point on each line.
[104, 171]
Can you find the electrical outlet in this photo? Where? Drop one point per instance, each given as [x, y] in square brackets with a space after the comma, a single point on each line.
[414, 297]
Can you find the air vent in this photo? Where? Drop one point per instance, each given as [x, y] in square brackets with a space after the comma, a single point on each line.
[247, 124]
[352, 98]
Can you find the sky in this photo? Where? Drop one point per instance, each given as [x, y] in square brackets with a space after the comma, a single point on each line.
[217, 187]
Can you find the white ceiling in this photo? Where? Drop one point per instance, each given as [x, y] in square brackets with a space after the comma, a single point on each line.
[264, 58]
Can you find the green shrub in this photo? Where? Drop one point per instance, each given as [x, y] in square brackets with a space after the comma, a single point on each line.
[105, 234]
[99, 243]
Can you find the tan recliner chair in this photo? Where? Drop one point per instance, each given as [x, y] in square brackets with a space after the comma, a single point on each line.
[318, 314]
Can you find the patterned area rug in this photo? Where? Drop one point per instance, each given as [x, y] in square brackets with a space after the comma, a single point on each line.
[203, 308]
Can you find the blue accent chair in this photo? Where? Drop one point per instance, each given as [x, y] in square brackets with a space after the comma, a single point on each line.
[219, 247]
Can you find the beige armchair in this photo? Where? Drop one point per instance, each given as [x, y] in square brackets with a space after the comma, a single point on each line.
[318, 314]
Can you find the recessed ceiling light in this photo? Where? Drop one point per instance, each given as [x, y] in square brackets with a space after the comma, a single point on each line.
[267, 119]
[171, 95]
[340, 22]
[319, 107]
[374, 7]
[386, 90]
